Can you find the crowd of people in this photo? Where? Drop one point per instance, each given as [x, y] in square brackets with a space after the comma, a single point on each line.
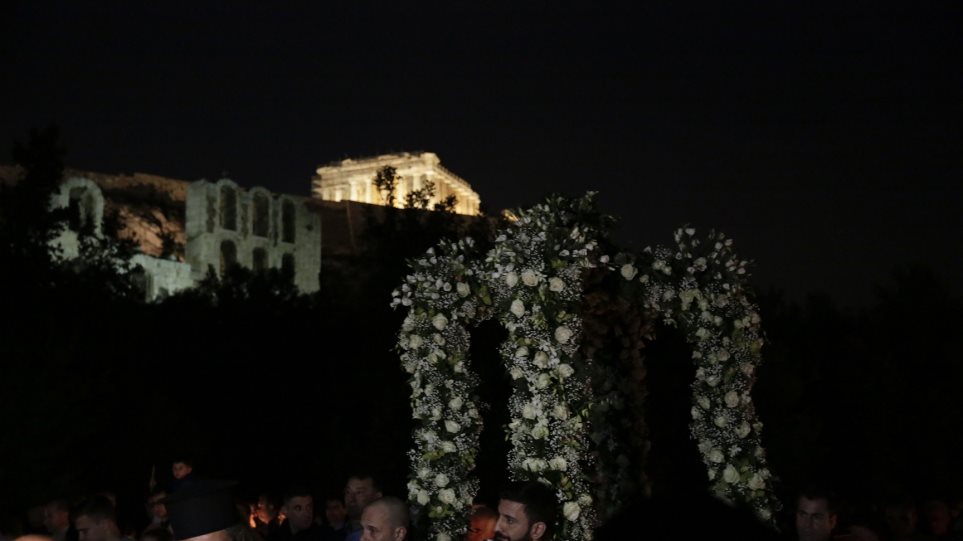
[194, 509]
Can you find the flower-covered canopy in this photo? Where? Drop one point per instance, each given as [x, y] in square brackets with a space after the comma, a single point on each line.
[576, 420]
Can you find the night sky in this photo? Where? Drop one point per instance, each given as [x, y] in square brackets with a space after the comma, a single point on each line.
[825, 138]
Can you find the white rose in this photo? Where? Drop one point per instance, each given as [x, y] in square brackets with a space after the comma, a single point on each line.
[565, 370]
[456, 403]
[732, 399]
[696, 414]
[722, 355]
[584, 500]
[560, 412]
[756, 482]
[730, 474]
[447, 495]
[423, 497]
[528, 411]
[448, 447]
[720, 421]
[529, 277]
[629, 271]
[563, 334]
[438, 339]
[439, 322]
[534, 464]
[764, 514]
[430, 437]
[441, 480]
[540, 432]
[541, 359]
[521, 352]
[452, 426]
[516, 372]
[542, 381]
[415, 341]
[518, 308]
[442, 537]
[571, 511]
[704, 402]
[463, 289]
[556, 284]
[743, 430]
[715, 456]
[558, 463]
[511, 279]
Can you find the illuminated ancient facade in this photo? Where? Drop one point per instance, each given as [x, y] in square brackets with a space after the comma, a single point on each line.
[353, 180]
[254, 228]
[183, 230]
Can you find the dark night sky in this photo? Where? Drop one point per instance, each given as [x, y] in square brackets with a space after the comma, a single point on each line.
[826, 139]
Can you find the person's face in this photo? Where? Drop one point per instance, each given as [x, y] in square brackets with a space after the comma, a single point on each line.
[89, 529]
[265, 510]
[376, 525]
[55, 519]
[334, 511]
[814, 521]
[901, 519]
[300, 512]
[156, 507]
[513, 523]
[937, 518]
[482, 527]
[359, 493]
[181, 470]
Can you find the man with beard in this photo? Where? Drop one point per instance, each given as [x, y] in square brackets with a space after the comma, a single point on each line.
[526, 512]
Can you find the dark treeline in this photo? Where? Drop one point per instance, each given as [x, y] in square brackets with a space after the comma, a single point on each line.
[269, 387]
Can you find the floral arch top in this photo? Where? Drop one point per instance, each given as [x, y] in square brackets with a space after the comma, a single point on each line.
[576, 416]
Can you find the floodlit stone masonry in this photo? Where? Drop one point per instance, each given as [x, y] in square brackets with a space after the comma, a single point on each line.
[254, 228]
[353, 180]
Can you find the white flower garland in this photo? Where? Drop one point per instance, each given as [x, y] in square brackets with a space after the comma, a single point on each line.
[532, 281]
[701, 288]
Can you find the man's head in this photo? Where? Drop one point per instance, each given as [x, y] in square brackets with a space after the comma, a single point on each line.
[384, 519]
[182, 467]
[526, 512]
[96, 520]
[155, 505]
[360, 490]
[936, 517]
[334, 511]
[482, 525]
[265, 509]
[299, 509]
[815, 515]
[56, 516]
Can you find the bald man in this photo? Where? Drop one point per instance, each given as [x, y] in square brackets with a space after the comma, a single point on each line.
[385, 519]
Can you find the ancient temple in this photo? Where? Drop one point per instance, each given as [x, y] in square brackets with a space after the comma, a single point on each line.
[353, 180]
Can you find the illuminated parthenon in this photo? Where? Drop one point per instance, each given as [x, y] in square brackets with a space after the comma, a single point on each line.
[353, 180]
